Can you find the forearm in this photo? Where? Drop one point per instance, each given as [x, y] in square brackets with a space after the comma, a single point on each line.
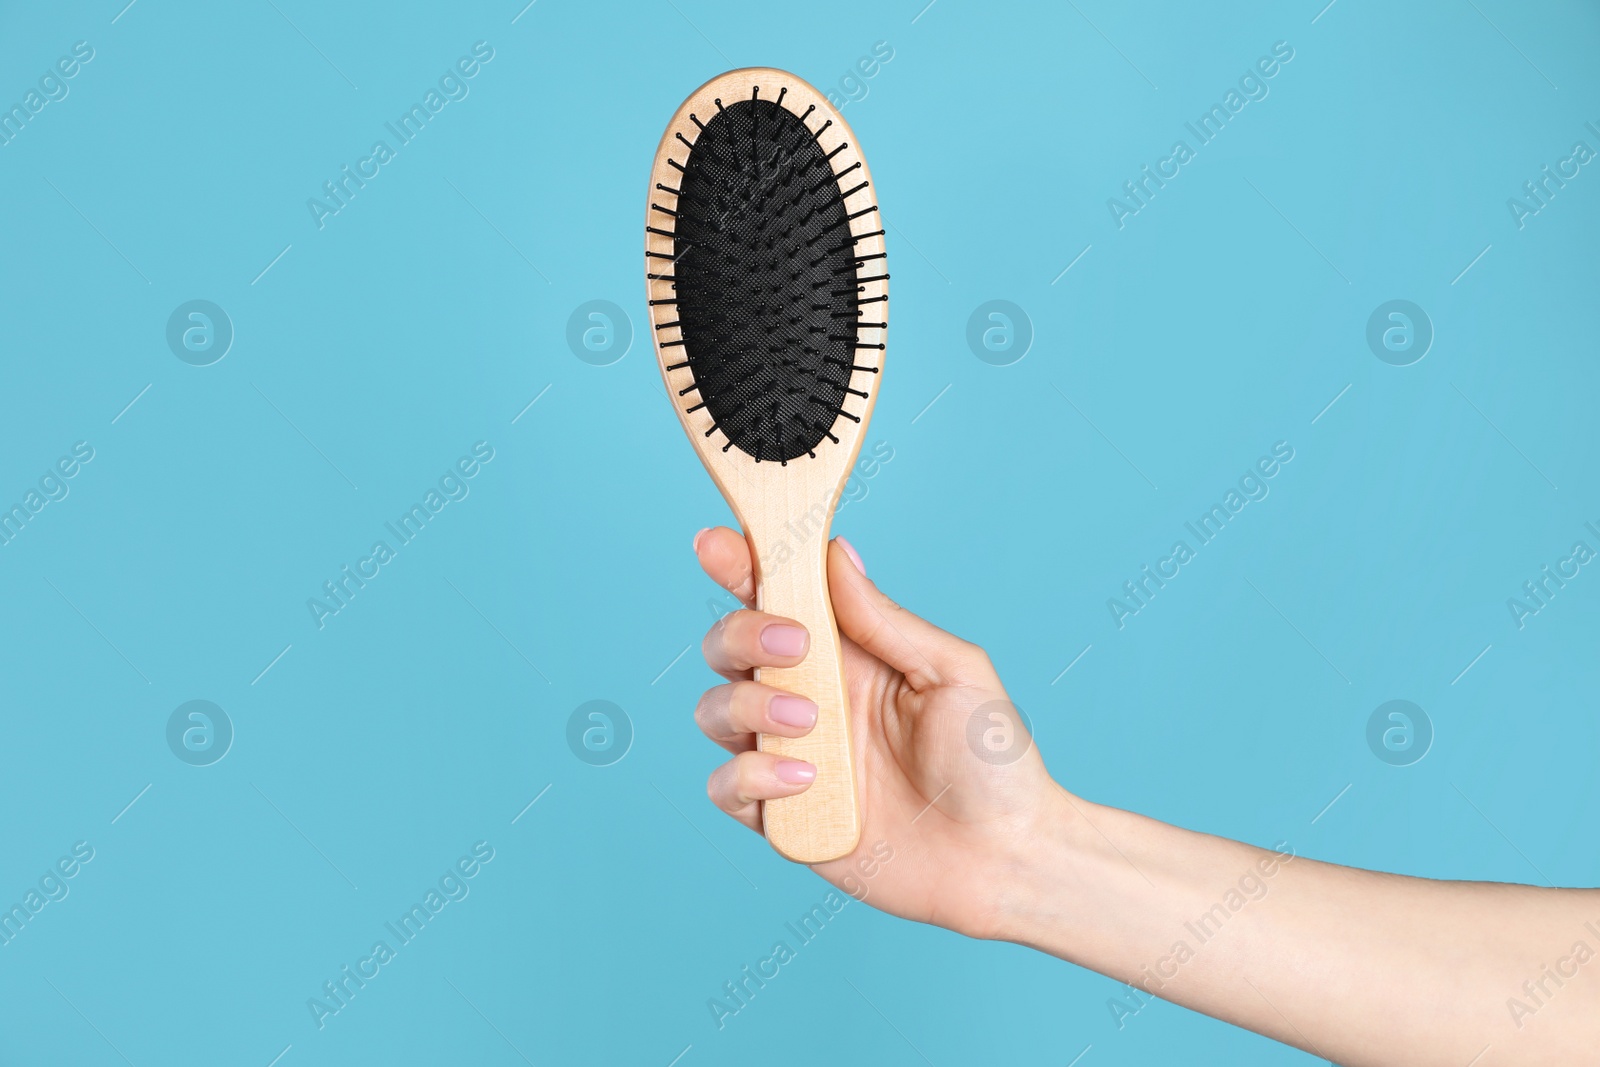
[1354, 966]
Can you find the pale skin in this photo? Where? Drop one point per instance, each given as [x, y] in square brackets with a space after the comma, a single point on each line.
[1360, 967]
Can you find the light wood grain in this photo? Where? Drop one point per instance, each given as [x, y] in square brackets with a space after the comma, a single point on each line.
[787, 511]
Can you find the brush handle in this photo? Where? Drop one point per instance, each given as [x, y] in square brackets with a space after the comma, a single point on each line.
[824, 822]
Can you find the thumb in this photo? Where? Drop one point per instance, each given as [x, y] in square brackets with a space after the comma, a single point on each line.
[925, 654]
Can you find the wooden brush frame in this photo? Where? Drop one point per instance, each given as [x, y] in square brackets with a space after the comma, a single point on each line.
[787, 510]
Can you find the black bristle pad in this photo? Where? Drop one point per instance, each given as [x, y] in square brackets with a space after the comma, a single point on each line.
[766, 280]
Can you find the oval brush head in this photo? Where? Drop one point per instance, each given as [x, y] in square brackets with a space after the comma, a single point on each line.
[767, 277]
[769, 306]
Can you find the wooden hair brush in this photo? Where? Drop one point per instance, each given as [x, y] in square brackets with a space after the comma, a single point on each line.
[769, 305]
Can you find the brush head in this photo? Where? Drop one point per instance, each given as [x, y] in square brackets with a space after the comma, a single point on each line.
[769, 274]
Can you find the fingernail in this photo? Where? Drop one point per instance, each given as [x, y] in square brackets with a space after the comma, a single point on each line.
[782, 640]
[792, 711]
[855, 557]
[697, 537]
[794, 772]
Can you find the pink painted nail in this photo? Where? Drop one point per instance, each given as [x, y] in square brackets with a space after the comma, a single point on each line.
[697, 537]
[792, 711]
[794, 772]
[783, 640]
[855, 557]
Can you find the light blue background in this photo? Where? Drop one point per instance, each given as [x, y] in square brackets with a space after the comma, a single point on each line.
[425, 316]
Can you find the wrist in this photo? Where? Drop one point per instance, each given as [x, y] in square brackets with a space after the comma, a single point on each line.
[1075, 886]
[1032, 873]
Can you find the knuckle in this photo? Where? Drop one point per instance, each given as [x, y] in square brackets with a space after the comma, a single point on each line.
[702, 711]
[722, 785]
[735, 624]
[723, 633]
[736, 704]
[977, 661]
[750, 773]
[874, 628]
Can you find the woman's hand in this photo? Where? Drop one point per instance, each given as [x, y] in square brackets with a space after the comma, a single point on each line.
[946, 821]
[976, 837]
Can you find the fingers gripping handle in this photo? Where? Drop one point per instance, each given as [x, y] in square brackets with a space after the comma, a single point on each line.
[824, 822]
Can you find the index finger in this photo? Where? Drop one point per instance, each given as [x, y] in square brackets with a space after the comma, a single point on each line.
[724, 555]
